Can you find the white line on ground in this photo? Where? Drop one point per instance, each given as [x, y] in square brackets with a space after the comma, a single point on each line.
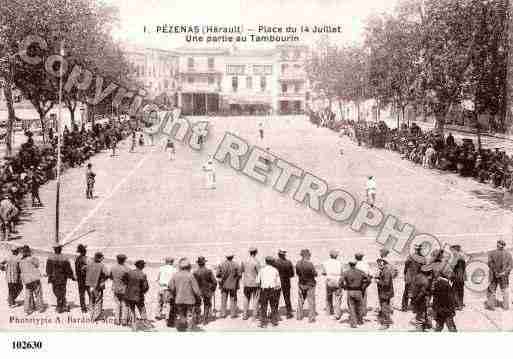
[231, 243]
[105, 199]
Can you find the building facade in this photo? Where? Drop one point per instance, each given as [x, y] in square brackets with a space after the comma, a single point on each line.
[225, 81]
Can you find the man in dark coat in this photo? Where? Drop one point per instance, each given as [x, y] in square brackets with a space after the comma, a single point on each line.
[90, 180]
[411, 268]
[500, 264]
[286, 270]
[117, 273]
[96, 276]
[459, 275]
[443, 303]
[229, 274]
[354, 281]
[421, 291]
[80, 271]
[306, 274]
[207, 284]
[136, 287]
[385, 284]
[58, 270]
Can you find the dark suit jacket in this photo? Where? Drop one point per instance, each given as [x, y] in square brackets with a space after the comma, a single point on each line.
[58, 269]
[285, 269]
[306, 273]
[184, 287]
[443, 297]
[206, 281]
[80, 268]
[499, 261]
[385, 283]
[412, 267]
[229, 274]
[137, 285]
[117, 272]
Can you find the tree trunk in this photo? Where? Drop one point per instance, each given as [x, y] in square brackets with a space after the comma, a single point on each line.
[341, 110]
[440, 121]
[43, 124]
[10, 119]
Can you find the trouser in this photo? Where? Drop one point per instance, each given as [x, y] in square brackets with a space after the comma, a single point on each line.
[406, 296]
[59, 290]
[206, 302]
[141, 307]
[120, 309]
[35, 197]
[251, 295]
[232, 293]
[458, 288]
[285, 289]
[269, 297]
[89, 191]
[185, 316]
[503, 284]
[422, 321]
[364, 303]
[96, 303]
[306, 294]
[334, 300]
[355, 306]
[443, 319]
[385, 311]
[33, 297]
[163, 300]
[82, 290]
[171, 319]
[14, 290]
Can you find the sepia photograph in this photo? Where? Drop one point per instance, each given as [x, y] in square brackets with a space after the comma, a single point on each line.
[284, 166]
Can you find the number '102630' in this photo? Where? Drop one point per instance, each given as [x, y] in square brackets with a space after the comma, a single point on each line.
[27, 345]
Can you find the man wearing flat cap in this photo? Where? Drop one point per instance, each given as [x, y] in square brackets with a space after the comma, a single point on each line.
[166, 272]
[249, 269]
[420, 294]
[286, 271]
[354, 282]
[332, 269]
[207, 284]
[228, 274]
[186, 290]
[96, 276]
[58, 270]
[119, 289]
[136, 288]
[268, 279]
[306, 274]
[500, 264]
[385, 285]
[412, 267]
[80, 271]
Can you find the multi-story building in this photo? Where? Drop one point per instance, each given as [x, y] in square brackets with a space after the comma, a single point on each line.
[155, 69]
[212, 80]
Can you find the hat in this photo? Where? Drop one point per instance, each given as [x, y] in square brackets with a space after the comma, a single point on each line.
[25, 249]
[252, 249]
[98, 256]
[57, 246]
[381, 260]
[383, 252]
[139, 263]
[352, 262]
[501, 243]
[201, 260]
[358, 256]
[169, 260]
[184, 263]
[230, 255]
[81, 248]
[333, 253]
[417, 246]
[121, 257]
[304, 252]
[455, 247]
[282, 251]
[269, 259]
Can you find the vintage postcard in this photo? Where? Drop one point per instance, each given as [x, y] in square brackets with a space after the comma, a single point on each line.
[255, 166]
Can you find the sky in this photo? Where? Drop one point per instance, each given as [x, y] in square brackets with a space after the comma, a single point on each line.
[135, 14]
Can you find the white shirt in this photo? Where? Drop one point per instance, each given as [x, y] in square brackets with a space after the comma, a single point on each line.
[363, 266]
[371, 184]
[333, 270]
[209, 166]
[166, 272]
[268, 277]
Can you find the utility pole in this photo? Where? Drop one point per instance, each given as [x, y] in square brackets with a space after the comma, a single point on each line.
[59, 135]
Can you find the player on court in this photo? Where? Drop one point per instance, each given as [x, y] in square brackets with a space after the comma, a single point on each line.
[210, 173]
[371, 190]
[261, 130]
[171, 147]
